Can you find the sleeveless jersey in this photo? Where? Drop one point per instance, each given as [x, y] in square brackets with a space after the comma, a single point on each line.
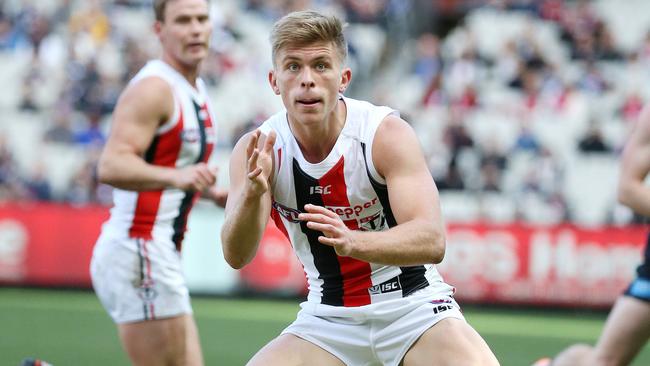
[347, 183]
[186, 139]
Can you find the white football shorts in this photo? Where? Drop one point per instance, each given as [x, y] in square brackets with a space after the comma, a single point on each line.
[377, 334]
[138, 280]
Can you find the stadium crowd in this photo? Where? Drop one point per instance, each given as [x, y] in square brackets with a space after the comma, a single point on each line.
[511, 99]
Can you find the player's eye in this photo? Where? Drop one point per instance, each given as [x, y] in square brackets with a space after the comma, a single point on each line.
[293, 67]
[321, 66]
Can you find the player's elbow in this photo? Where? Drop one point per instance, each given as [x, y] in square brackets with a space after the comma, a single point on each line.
[439, 248]
[236, 261]
[106, 171]
[233, 257]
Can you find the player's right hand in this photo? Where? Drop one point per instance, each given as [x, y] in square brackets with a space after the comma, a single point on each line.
[197, 177]
[259, 162]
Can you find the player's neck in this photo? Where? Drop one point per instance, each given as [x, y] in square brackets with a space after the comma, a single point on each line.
[316, 141]
[190, 73]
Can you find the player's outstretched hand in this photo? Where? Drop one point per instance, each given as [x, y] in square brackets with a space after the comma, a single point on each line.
[259, 162]
[337, 235]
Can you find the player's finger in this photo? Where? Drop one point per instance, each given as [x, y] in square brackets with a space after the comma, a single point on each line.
[321, 210]
[252, 161]
[327, 229]
[252, 143]
[269, 142]
[206, 173]
[254, 173]
[214, 170]
[316, 218]
[327, 241]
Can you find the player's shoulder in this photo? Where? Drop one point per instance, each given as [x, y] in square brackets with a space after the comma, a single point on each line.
[149, 90]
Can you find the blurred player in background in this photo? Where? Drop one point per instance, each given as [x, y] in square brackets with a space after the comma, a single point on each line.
[156, 157]
[348, 184]
[628, 326]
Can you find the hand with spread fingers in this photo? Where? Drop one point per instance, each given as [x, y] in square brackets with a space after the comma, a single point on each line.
[259, 162]
[337, 234]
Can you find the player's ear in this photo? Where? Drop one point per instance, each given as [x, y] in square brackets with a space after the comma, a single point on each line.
[346, 77]
[157, 27]
[274, 82]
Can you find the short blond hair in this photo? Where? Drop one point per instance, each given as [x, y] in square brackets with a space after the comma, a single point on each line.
[303, 28]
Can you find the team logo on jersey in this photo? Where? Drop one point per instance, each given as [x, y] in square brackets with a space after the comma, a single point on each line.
[290, 214]
[373, 222]
[385, 287]
[191, 135]
[320, 189]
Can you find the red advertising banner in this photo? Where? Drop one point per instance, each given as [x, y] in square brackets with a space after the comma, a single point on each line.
[48, 244]
[558, 265]
[275, 267]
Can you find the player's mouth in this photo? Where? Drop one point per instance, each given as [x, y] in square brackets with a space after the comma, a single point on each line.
[196, 45]
[308, 102]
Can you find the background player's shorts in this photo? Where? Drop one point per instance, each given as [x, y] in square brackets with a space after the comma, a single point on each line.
[640, 287]
[376, 334]
[138, 280]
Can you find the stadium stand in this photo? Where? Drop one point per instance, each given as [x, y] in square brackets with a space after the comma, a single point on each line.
[501, 99]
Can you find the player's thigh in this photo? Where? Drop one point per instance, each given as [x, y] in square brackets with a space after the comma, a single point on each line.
[290, 350]
[626, 331]
[161, 341]
[450, 342]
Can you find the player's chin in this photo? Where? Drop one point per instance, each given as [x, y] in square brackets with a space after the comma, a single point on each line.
[197, 55]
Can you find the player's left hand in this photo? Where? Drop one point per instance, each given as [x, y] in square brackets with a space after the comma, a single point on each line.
[337, 235]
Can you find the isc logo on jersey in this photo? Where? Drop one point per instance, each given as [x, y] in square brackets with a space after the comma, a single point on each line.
[320, 189]
[388, 286]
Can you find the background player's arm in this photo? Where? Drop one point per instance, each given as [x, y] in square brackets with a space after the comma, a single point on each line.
[418, 237]
[249, 200]
[139, 112]
[635, 165]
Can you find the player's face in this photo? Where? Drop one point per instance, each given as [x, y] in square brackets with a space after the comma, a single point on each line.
[185, 31]
[309, 79]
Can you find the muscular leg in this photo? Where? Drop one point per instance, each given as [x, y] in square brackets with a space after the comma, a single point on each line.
[290, 350]
[450, 342]
[162, 342]
[627, 329]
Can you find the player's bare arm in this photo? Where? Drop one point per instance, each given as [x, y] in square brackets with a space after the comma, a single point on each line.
[419, 235]
[249, 203]
[141, 109]
[635, 166]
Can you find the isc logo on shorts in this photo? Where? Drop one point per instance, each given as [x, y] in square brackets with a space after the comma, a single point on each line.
[440, 308]
[388, 286]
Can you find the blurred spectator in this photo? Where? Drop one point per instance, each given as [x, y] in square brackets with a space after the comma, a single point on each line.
[60, 131]
[593, 142]
[91, 134]
[38, 185]
[632, 106]
[453, 179]
[455, 135]
[10, 36]
[526, 141]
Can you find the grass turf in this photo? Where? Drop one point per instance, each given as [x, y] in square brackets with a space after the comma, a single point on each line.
[70, 328]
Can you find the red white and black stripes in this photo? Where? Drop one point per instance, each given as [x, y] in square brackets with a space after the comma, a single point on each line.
[146, 289]
[163, 151]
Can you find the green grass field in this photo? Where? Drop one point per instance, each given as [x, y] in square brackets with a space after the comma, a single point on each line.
[69, 328]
